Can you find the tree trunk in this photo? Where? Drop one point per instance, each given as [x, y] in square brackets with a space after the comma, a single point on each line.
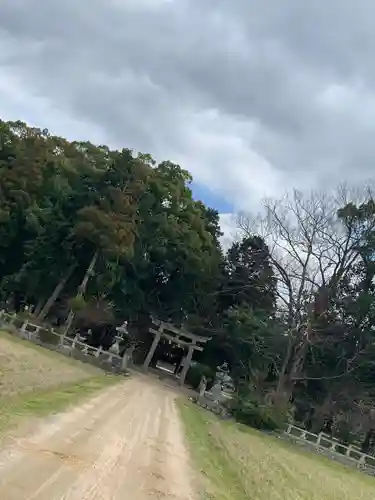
[38, 307]
[294, 361]
[55, 294]
[288, 370]
[89, 272]
[82, 289]
[283, 375]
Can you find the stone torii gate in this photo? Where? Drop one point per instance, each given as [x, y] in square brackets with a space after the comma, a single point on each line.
[180, 337]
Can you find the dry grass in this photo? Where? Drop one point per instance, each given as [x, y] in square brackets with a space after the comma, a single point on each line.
[241, 464]
[35, 381]
[25, 367]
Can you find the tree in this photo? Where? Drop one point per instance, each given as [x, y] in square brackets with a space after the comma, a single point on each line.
[175, 252]
[107, 227]
[312, 254]
[253, 343]
[87, 208]
[250, 278]
[245, 327]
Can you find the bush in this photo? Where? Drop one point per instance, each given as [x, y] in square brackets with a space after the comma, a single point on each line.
[196, 372]
[46, 336]
[343, 430]
[256, 413]
[77, 303]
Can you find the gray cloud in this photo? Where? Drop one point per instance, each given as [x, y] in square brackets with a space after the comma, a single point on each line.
[252, 97]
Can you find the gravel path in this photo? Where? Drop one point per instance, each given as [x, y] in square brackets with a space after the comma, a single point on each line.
[126, 443]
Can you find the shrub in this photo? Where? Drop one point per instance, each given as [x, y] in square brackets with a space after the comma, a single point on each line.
[77, 303]
[343, 430]
[47, 336]
[196, 372]
[255, 412]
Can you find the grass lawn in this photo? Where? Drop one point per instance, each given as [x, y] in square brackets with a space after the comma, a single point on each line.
[35, 381]
[237, 463]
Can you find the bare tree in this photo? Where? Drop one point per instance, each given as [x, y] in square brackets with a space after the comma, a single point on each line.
[311, 251]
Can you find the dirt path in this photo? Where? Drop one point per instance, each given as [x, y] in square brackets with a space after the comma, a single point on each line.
[124, 444]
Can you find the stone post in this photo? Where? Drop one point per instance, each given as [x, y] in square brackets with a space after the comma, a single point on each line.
[75, 340]
[62, 339]
[13, 318]
[319, 439]
[362, 460]
[115, 348]
[127, 358]
[23, 330]
[36, 331]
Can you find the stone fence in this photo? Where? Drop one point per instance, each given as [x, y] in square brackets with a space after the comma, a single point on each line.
[72, 347]
[347, 454]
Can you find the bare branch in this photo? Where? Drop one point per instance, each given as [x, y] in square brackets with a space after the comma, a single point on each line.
[311, 251]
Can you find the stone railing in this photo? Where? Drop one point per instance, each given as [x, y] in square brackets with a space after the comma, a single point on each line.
[54, 340]
[323, 443]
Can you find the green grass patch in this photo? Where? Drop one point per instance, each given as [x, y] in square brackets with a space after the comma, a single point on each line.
[38, 403]
[35, 381]
[239, 463]
[220, 479]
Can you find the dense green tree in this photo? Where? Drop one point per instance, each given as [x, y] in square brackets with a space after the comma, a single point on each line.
[175, 253]
[103, 222]
[246, 330]
[250, 277]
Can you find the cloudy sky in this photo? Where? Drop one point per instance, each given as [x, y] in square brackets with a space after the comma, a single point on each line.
[252, 96]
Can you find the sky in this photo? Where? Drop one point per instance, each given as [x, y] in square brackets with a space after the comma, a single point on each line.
[252, 97]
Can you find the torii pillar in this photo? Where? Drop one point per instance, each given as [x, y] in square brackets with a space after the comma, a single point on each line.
[187, 364]
[155, 342]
